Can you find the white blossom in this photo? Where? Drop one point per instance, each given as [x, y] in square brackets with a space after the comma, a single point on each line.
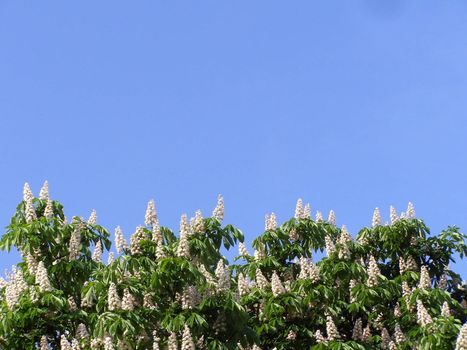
[376, 221]
[33, 295]
[330, 247]
[30, 211]
[425, 280]
[319, 216]
[378, 321]
[399, 336]
[187, 340]
[190, 297]
[49, 211]
[110, 258]
[410, 213]
[114, 301]
[75, 345]
[75, 242]
[352, 285]
[411, 264]
[270, 222]
[276, 285]
[406, 291]
[223, 276]
[218, 212]
[14, 288]
[82, 332]
[291, 336]
[172, 343]
[423, 318]
[397, 310]
[314, 273]
[156, 232]
[96, 344]
[42, 279]
[243, 287]
[385, 338]
[97, 254]
[293, 235]
[319, 337]
[207, 275]
[242, 251]
[108, 345]
[44, 192]
[147, 302]
[402, 265]
[44, 343]
[183, 249]
[120, 240]
[461, 343]
[135, 240]
[155, 341]
[357, 333]
[344, 240]
[151, 217]
[261, 281]
[366, 334]
[331, 329]
[332, 218]
[445, 310]
[72, 304]
[306, 211]
[304, 268]
[31, 263]
[345, 236]
[259, 253]
[64, 343]
[128, 301]
[393, 215]
[92, 218]
[27, 193]
[299, 209]
[160, 253]
[197, 223]
[373, 272]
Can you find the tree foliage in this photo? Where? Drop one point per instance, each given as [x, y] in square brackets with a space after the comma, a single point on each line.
[390, 288]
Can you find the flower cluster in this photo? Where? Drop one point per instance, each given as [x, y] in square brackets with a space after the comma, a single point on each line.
[183, 249]
[14, 288]
[120, 242]
[423, 317]
[92, 218]
[425, 280]
[223, 276]
[373, 272]
[42, 279]
[461, 343]
[150, 219]
[218, 212]
[114, 301]
[276, 285]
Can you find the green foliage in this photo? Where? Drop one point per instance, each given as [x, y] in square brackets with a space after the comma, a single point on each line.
[160, 290]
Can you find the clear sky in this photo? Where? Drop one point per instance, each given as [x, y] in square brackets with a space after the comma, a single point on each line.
[350, 105]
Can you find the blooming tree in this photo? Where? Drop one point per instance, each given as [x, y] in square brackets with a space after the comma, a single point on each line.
[390, 288]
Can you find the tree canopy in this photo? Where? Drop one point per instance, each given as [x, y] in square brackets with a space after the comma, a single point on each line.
[390, 287]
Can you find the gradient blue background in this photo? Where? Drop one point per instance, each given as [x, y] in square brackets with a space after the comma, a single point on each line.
[347, 104]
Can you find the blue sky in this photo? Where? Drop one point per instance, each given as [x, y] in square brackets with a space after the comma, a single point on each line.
[350, 105]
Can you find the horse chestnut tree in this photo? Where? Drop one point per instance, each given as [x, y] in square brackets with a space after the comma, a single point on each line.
[390, 287]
